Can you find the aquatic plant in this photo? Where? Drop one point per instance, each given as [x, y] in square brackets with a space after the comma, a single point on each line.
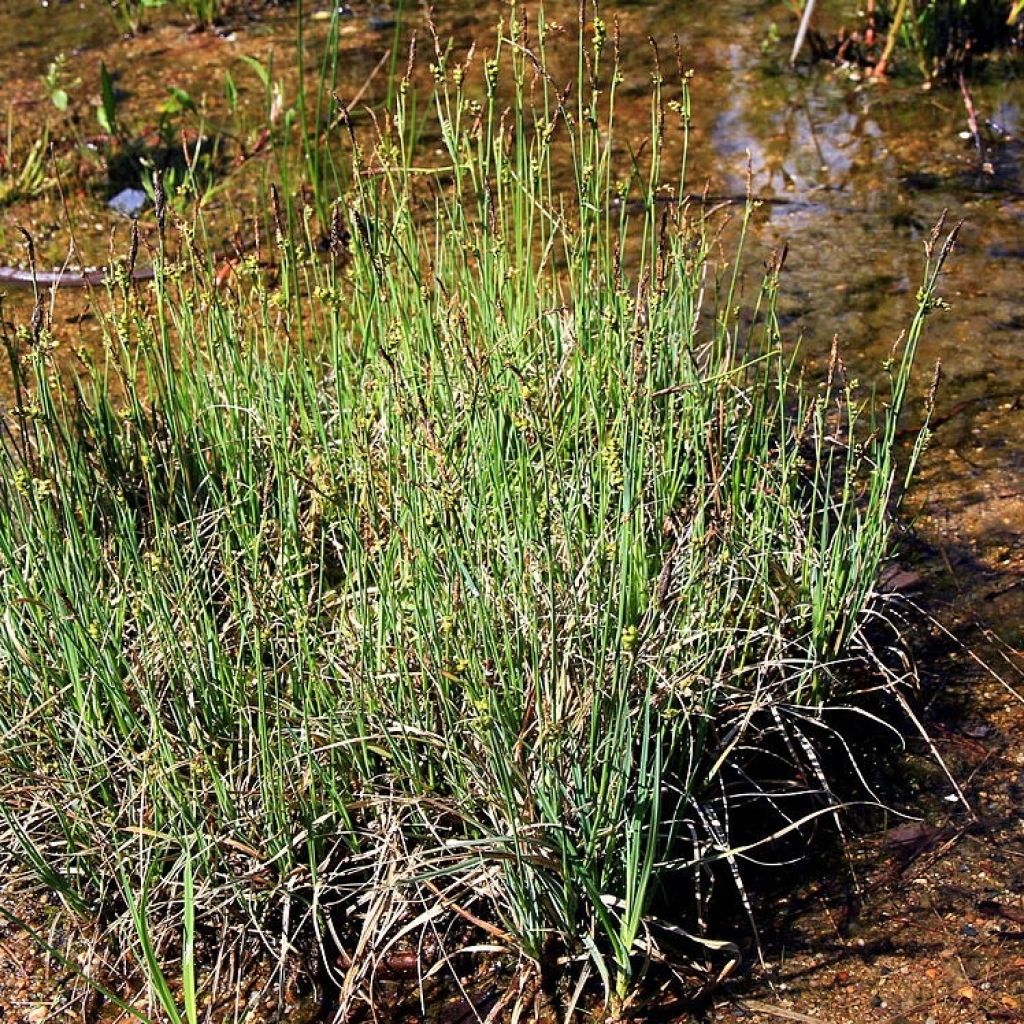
[129, 16]
[204, 12]
[467, 576]
[942, 35]
[22, 170]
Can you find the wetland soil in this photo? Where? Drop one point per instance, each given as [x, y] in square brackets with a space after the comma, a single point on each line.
[933, 929]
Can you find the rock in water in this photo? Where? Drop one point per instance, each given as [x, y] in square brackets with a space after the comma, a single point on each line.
[129, 202]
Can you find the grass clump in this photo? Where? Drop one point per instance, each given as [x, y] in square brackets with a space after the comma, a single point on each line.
[130, 16]
[943, 36]
[462, 579]
[22, 174]
[945, 32]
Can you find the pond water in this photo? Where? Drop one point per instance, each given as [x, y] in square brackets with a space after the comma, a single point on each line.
[861, 171]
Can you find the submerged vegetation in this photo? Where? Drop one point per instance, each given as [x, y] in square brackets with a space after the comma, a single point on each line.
[493, 563]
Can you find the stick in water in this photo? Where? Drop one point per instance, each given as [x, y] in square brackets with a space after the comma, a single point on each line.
[801, 35]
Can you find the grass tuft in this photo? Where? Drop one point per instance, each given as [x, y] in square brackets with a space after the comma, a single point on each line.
[458, 580]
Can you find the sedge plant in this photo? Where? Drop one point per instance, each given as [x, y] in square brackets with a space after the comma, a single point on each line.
[463, 575]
